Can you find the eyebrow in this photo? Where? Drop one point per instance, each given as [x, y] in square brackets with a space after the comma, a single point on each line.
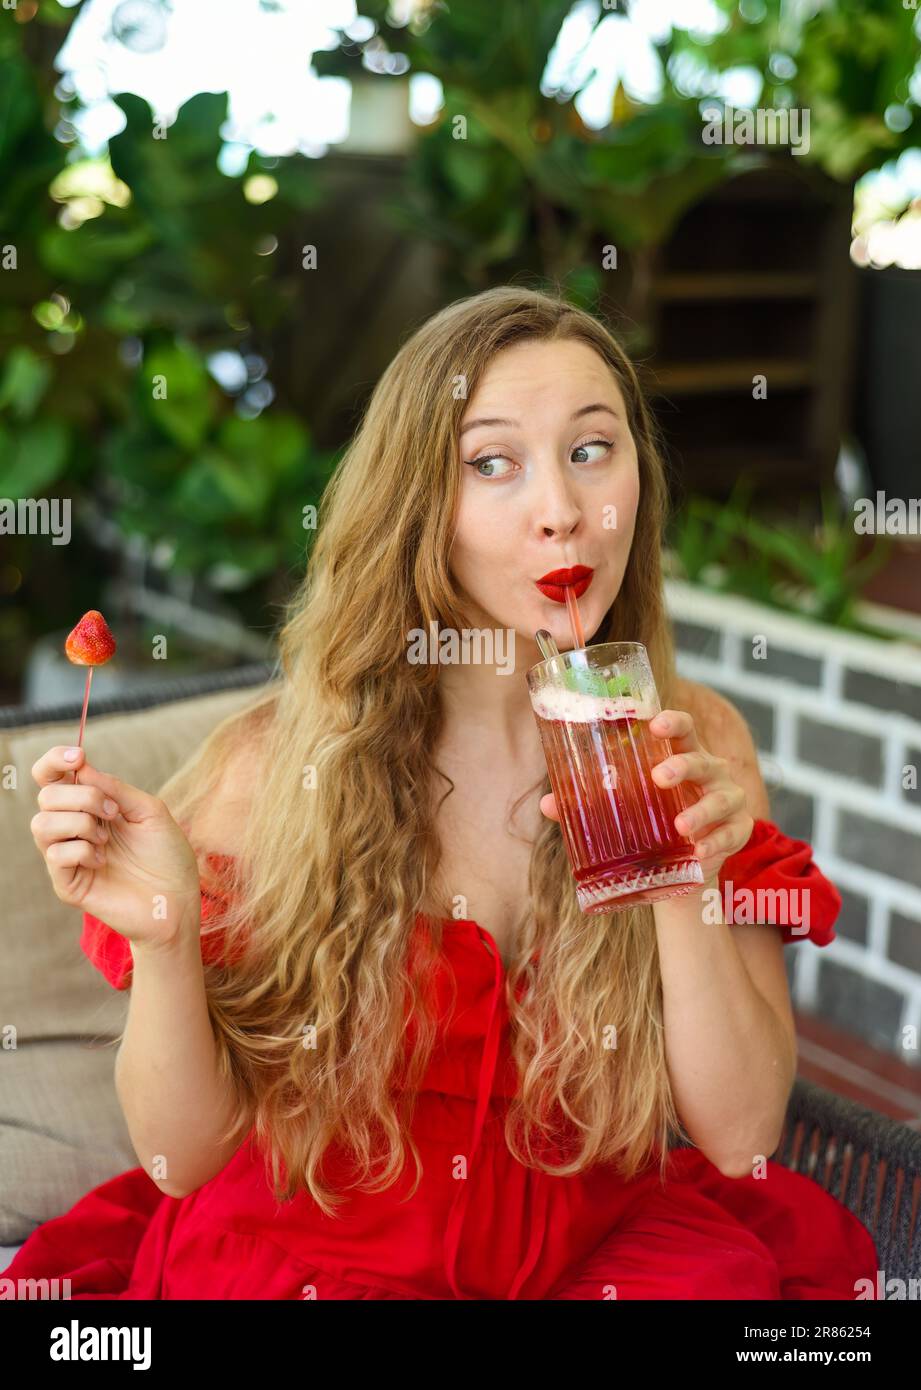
[576, 414]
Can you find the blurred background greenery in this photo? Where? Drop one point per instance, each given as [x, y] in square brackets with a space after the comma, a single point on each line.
[171, 363]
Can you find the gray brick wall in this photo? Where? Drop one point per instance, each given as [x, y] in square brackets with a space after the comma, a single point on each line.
[836, 719]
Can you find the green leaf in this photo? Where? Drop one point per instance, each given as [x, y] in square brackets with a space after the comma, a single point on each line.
[297, 186]
[585, 680]
[218, 489]
[141, 458]
[20, 109]
[275, 442]
[468, 170]
[589, 681]
[24, 381]
[250, 558]
[583, 287]
[184, 413]
[34, 458]
[173, 179]
[92, 253]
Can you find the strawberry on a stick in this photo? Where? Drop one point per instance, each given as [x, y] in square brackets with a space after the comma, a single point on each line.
[90, 644]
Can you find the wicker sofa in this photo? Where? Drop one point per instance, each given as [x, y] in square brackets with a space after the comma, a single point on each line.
[61, 1128]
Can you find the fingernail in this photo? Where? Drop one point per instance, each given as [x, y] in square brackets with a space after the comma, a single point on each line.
[668, 774]
[663, 723]
[71, 754]
[109, 806]
[99, 855]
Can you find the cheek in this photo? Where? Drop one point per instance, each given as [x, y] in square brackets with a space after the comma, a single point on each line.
[629, 504]
[479, 541]
[479, 528]
[622, 499]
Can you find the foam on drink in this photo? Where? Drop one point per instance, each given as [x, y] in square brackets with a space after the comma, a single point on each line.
[576, 707]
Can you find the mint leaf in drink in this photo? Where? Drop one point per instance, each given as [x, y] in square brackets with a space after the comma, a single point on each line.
[618, 685]
[585, 680]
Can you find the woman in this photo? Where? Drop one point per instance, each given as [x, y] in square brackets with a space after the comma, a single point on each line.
[392, 1076]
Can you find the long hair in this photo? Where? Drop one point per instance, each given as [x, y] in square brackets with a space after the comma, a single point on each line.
[339, 852]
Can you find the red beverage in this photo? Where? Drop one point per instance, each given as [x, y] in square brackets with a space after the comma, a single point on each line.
[618, 825]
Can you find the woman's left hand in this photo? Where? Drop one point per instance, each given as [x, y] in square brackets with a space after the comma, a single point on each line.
[718, 823]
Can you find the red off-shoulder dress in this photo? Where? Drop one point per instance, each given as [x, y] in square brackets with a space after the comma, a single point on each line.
[504, 1231]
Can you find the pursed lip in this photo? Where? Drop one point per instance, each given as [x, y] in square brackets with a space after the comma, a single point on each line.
[554, 584]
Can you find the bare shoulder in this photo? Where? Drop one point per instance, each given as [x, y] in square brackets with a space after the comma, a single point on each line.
[715, 716]
[219, 819]
[724, 732]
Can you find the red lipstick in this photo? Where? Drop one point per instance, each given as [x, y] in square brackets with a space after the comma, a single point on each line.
[555, 584]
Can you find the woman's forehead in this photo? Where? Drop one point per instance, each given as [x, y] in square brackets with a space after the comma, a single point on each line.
[561, 376]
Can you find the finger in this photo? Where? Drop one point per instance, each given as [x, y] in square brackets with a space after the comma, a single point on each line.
[53, 766]
[74, 796]
[676, 725]
[133, 804]
[66, 854]
[48, 827]
[719, 840]
[549, 807]
[710, 810]
[697, 767]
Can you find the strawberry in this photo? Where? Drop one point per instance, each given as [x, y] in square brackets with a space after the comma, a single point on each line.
[91, 643]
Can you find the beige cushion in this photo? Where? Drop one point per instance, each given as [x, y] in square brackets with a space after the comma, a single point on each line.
[61, 1127]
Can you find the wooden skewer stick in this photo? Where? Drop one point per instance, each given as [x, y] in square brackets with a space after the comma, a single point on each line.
[86, 701]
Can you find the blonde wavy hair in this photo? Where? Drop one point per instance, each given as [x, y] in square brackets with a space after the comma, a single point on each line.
[334, 864]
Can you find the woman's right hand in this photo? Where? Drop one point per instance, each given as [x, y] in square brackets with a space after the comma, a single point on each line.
[134, 869]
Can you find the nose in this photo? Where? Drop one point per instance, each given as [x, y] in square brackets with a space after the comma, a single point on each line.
[557, 512]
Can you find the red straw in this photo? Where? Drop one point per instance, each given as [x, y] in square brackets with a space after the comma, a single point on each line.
[572, 603]
[575, 622]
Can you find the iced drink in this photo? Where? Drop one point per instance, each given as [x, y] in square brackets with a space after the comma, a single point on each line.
[593, 707]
